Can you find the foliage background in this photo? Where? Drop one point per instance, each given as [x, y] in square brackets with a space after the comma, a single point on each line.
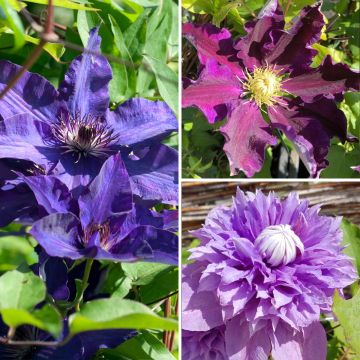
[203, 156]
[141, 39]
[336, 199]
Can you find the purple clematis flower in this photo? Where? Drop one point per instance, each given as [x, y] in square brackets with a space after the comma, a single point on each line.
[70, 132]
[102, 222]
[268, 71]
[265, 269]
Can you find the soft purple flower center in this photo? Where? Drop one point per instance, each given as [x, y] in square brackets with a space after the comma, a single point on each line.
[279, 245]
[84, 136]
[263, 86]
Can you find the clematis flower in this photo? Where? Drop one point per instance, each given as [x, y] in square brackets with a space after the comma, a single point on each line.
[102, 222]
[71, 131]
[265, 270]
[268, 72]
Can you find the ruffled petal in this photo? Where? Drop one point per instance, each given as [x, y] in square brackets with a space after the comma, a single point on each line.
[293, 50]
[22, 137]
[328, 79]
[32, 94]
[247, 136]
[140, 121]
[310, 127]
[108, 195]
[154, 176]
[85, 87]
[262, 35]
[59, 235]
[213, 43]
[216, 87]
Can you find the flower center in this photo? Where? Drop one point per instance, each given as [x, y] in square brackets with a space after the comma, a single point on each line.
[263, 86]
[279, 245]
[84, 136]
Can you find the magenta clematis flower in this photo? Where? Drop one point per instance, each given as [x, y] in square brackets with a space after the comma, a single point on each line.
[265, 270]
[268, 72]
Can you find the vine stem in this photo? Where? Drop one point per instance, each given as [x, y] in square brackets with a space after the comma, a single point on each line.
[84, 284]
[167, 313]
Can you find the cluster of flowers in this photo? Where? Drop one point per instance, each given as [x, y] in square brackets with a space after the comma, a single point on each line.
[263, 273]
[86, 179]
[269, 72]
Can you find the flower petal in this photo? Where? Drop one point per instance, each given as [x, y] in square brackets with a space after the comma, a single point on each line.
[262, 35]
[32, 94]
[154, 176]
[213, 43]
[22, 137]
[293, 50]
[108, 195]
[85, 87]
[59, 234]
[310, 127]
[328, 79]
[216, 87]
[247, 136]
[140, 120]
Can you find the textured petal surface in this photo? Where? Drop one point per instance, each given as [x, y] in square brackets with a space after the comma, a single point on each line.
[216, 88]
[108, 195]
[154, 176]
[141, 121]
[246, 135]
[32, 95]
[85, 87]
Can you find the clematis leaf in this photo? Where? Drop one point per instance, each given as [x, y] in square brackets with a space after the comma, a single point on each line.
[20, 290]
[347, 313]
[352, 241]
[68, 4]
[55, 50]
[115, 313]
[143, 273]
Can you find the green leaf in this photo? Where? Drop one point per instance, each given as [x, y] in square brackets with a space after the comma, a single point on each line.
[117, 282]
[55, 50]
[352, 239]
[85, 22]
[144, 346]
[20, 290]
[67, 4]
[116, 313]
[347, 312]
[47, 318]
[167, 81]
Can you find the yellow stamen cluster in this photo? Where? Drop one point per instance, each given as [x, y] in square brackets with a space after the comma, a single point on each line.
[263, 85]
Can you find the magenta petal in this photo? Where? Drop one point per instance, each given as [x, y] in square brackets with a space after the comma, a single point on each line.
[213, 43]
[310, 127]
[293, 49]
[216, 87]
[262, 35]
[247, 135]
[328, 79]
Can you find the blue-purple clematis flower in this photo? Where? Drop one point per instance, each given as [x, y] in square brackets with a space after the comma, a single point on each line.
[102, 222]
[71, 131]
[269, 71]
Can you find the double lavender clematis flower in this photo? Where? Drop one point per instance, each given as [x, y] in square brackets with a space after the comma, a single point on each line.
[71, 131]
[269, 71]
[102, 222]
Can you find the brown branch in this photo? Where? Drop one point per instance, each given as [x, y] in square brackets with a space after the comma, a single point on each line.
[167, 313]
[172, 334]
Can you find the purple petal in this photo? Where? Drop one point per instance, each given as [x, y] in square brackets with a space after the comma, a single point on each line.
[310, 127]
[262, 35]
[85, 87]
[108, 195]
[59, 235]
[22, 137]
[141, 120]
[216, 87]
[293, 50]
[315, 343]
[155, 175]
[213, 43]
[247, 136]
[32, 94]
[328, 79]
[51, 194]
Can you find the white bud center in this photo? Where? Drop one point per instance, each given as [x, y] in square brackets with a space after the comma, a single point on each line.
[279, 245]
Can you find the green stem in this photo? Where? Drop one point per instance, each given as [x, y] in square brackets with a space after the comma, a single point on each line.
[84, 284]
